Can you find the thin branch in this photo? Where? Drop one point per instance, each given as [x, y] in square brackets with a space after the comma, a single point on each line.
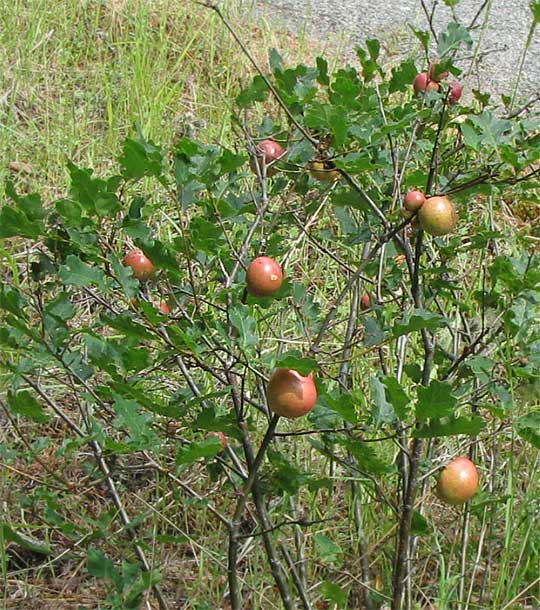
[277, 526]
[266, 80]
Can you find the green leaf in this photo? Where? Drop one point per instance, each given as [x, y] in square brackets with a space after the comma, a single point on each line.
[55, 316]
[31, 205]
[322, 67]
[451, 427]
[71, 211]
[402, 76]
[374, 47]
[374, 333]
[369, 63]
[15, 223]
[470, 136]
[435, 400]
[256, 92]
[535, 8]
[355, 163]
[229, 161]
[492, 131]
[97, 196]
[328, 550]
[419, 320]
[23, 403]
[245, 324]
[344, 404]
[138, 424]
[482, 368]
[422, 36]
[517, 274]
[125, 278]
[383, 411]
[334, 593]
[75, 361]
[293, 359]
[125, 324]
[275, 60]
[149, 401]
[347, 89]
[100, 566]
[528, 427]
[419, 525]
[61, 307]
[23, 540]
[396, 396]
[366, 456]
[328, 118]
[286, 477]
[453, 38]
[12, 300]
[207, 448]
[77, 273]
[413, 372]
[23, 220]
[141, 158]
[206, 236]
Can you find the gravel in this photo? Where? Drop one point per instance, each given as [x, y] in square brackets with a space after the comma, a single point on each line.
[503, 38]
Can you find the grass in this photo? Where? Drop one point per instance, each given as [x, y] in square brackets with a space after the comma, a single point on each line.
[77, 78]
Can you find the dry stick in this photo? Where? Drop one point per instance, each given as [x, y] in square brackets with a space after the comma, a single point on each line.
[426, 477]
[285, 522]
[103, 466]
[25, 475]
[254, 468]
[491, 527]
[253, 463]
[402, 567]
[464, 550]
[467, 513]
[203, 549]
[344, 375]
[404, 555]
[478, 13]
[275, 565]
[393, 149]
[479, 554]
[521, 593]
[403, 463]
[521, 65]
[299, 542]
[297, 577]
[429, 18]
[348, 429]
[418, 123]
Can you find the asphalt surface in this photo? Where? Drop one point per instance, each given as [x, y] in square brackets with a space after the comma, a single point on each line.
[502, 40]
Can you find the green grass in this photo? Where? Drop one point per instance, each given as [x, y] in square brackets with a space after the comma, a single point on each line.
[77, 77]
